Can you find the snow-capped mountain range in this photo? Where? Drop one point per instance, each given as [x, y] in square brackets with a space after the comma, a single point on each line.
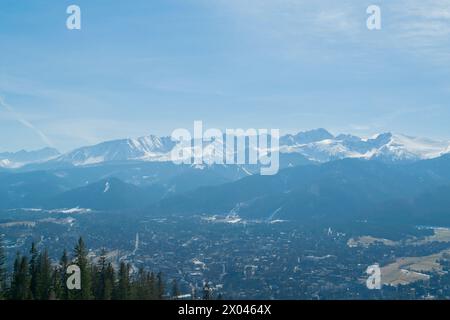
[149, 148]
[316, 145]
[319, 145]
[22, 157]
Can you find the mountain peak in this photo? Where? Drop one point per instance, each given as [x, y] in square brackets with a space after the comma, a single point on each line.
[315, 145]
[305, 137]
[388, 147]
[21, 157]
[385, 136]
[147, 147]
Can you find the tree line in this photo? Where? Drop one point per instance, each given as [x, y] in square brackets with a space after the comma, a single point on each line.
[35, 277]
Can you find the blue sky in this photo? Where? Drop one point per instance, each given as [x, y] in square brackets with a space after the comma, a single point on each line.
[152, 66]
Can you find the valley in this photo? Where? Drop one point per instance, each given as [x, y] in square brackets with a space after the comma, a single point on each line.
[241, 258]
[308, 232]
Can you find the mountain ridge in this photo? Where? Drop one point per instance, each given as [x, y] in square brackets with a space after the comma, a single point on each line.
[23, 157]
[317, 145]
[342, 190]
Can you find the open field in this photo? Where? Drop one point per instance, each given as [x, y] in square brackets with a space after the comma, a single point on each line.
[406, 270]
[440, 235]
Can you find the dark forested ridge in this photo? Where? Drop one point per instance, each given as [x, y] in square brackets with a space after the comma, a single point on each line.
[341, 190]
[338, 191]
[36, 277]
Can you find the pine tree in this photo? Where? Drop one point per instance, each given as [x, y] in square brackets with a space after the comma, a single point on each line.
[109, 282]
[57, 286]
[100, 276]
[144, 287]
[123, 285]
[62, 275]
[159, 287]
[20, 287]
[150, 284]
[2, 270]
[96, 282]
[43, 277]
[175, 289]
[34, 270]
[81, 259]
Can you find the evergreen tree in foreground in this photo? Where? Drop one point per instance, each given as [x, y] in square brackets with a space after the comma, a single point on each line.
[33, 269]
[104, 278]
[175, 289]
[44, 278]
[2, 270]
[81, 259]
[21, 282]
[61, 276]
[36, 278]
[123, 288]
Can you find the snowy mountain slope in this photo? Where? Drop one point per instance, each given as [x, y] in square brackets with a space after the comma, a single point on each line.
[317, 145]
[404, 147]
[306, 137]
[5, 163]
[387, 147]
[150, 148]
[21, 158]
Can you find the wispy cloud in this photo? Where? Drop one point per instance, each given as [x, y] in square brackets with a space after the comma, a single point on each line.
[421, 28]
[411, 27]
[294, 18]
[26, 123]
